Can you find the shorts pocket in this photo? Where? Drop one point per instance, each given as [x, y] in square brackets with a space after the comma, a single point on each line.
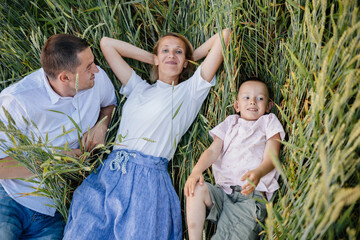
[261, 212]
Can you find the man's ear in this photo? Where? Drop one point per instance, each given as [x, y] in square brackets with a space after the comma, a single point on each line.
[63, 76]
[236, 106]
[269, 106]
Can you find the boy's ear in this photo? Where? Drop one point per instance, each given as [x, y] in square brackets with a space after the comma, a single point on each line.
[236, 106]
[269, 106]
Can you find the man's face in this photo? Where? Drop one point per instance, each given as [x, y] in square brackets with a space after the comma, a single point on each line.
[86, 70]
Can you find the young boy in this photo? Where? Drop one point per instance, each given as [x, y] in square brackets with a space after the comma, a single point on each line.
[241, 158]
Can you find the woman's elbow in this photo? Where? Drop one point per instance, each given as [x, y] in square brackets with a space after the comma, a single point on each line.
[104, 42]
[226, 35]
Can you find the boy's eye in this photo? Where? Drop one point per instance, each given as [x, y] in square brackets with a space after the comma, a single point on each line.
[246, 98]
[260, 98]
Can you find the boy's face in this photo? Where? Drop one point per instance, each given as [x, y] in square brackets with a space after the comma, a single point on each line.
[253, 100]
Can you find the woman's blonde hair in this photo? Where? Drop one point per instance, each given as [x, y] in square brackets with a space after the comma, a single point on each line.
[188, 71]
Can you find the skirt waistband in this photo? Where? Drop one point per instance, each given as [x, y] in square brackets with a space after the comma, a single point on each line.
[120, 158]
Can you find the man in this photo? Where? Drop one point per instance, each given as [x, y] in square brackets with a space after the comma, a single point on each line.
[68, 82]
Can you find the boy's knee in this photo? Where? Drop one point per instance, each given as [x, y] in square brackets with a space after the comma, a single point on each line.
[201, 190]
[199, 193]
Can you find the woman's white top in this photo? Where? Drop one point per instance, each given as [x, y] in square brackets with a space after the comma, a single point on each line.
[155, 117]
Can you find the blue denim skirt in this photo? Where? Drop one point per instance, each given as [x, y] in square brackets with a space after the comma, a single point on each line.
[130, 197]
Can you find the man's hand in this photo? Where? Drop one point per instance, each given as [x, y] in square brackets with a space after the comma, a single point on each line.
[93, 137]
[253, 178]
[191, 182]
[75, 153]
[96, 135]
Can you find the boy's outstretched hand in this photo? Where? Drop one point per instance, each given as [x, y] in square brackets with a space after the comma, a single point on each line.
[253, 178]
[191, 182]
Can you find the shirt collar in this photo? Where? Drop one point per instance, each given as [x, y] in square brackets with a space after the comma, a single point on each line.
[54, 97]
[243, 121]
[162, 84]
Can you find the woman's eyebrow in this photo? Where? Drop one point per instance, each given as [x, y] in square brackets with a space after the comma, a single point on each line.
[178, 46]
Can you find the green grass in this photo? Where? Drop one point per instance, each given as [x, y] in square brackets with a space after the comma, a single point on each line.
[308, 52]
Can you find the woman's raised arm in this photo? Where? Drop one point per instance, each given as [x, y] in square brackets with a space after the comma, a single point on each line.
[114, 50]
[212, 49]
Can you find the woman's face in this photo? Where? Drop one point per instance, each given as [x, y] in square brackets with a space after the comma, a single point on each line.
[170, 59]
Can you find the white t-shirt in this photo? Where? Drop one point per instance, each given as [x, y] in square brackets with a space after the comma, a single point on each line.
[32, 98]
[243, 150]
[155, 117]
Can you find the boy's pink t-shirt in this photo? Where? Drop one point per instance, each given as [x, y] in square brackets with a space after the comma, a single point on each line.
[243, 150]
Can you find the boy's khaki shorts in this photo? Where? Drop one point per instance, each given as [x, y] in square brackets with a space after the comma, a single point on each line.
[235, 214]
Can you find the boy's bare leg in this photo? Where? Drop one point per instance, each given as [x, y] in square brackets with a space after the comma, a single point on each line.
[195, 211]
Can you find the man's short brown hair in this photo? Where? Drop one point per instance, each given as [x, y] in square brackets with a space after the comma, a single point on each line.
[60, 53]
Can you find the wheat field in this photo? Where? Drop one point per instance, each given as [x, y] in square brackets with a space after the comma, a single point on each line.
[307, 51]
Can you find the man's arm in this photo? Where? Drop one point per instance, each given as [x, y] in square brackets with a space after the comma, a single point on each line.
[9, 168]
[96, 135]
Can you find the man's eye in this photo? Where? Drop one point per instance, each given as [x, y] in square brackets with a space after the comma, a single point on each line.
[165, 50]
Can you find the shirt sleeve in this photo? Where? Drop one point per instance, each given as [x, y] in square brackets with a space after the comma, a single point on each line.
[199, 87]
[273, 127]
[135, 83]
[108, 91]
[17, 113]
[221, 129]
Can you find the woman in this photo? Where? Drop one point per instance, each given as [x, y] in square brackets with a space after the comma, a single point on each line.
[131, 196]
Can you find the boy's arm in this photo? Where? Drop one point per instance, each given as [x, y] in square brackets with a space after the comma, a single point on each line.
[272, 147]
[208, 157]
